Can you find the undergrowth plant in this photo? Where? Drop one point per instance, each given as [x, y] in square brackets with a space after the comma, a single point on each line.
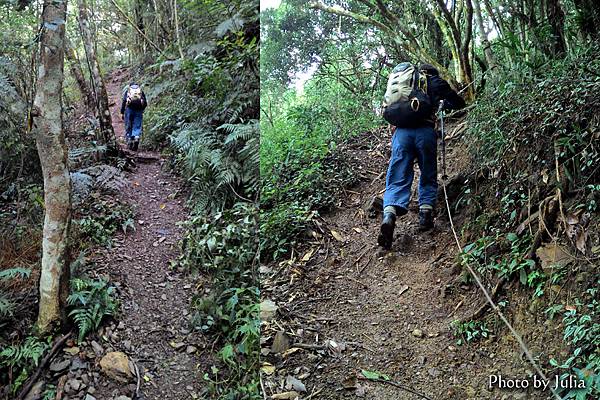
[581, 323]
[21, 359]
[470, 331]
[101, 219]
[89, 303]
[533, 139]
[225, 246]
[303, 169]
[6, 302]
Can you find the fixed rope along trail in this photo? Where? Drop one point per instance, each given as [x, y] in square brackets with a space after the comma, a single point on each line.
[482, 287]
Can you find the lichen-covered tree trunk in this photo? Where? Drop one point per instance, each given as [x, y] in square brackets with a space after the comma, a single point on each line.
[102, 104]
[52, 149]
[76, 71]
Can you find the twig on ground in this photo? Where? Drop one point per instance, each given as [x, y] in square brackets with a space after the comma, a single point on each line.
[314, 394]
[55, 348]
[139, 380]
[460, 303]
[364, 285]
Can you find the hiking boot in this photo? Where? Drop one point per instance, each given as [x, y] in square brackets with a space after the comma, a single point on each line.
[386, 233]
[425, 220]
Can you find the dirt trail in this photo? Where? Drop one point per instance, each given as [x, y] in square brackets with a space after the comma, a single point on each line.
[389, 311]
[153, 325]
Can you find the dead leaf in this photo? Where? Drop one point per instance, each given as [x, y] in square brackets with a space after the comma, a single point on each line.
[570, 308]
[334, 348]
[294, 383]
[337, 236]
[581, 240]
[162, 206]
[552, 255]
[358, 230]
[267, 369]
[308, 255]
[545, 175]
[290, 351]
[349, 382]
[281, 343]
[403, 289]
[268, 309]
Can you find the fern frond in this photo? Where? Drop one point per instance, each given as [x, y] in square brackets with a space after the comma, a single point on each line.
[12, 273]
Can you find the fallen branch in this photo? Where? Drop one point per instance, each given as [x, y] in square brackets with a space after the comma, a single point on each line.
[55, 348]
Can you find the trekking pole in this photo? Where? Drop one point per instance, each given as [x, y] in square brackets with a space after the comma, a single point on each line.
[441, 116]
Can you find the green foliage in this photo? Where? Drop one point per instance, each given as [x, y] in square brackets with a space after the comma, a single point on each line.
[303, 166]
[90, 302]
[470, 331]
[225, 245]
[101, 219]
[582, 332]
[221, 164]
[512, 262]
[7, 305]
[21, 359]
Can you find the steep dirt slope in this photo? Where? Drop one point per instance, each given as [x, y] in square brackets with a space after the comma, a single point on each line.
[345, 306]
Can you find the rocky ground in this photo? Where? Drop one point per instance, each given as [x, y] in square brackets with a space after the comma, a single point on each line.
[340, 306]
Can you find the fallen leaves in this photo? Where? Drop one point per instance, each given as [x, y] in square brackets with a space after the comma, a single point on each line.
[268, 309]
[337, 236]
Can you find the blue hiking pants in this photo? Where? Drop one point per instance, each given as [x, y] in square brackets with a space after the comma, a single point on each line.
[133, 123]
[408, 144]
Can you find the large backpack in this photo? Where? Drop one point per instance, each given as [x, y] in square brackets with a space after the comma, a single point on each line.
[406, 103]
[134, 97]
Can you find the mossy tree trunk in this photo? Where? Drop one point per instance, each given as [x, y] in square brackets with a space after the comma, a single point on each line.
[52, 149]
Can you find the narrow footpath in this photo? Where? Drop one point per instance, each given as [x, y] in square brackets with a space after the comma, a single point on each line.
[153, 327]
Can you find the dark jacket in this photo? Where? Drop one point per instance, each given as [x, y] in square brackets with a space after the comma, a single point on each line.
[438, 89]
[124, 101]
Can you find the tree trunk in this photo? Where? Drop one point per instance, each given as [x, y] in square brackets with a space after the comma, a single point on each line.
[76, 71]
[487, 50]
[104, 117]
[556, 19]
[52, 149]
[177, 37]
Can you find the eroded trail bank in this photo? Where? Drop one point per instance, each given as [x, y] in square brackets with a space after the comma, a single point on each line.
[344, 306]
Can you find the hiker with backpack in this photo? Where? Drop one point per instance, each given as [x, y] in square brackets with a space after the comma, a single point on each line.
[132, 111]
[412, 96]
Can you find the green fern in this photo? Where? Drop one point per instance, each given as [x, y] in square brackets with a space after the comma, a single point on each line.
[21, 356]
[91, 301]
[7, 306]
[16, 272]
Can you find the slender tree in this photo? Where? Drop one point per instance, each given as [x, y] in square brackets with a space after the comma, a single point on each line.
[77, 72]
[52, 149]
[487, 47]
[100, 94]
